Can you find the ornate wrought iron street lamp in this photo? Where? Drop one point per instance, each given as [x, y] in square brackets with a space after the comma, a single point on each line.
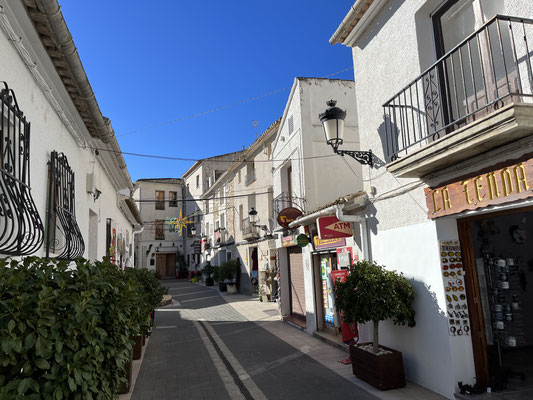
[333, 122]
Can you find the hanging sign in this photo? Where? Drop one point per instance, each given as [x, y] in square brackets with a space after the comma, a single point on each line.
[287, 215]
[510, 183]
[288, 241]
[302, 240]
[331, 228]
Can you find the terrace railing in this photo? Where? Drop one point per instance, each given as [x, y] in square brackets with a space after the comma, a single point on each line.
[488, 70]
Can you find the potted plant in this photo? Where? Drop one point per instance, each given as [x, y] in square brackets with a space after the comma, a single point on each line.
[372, 293]
[229, 271]
[208, 271]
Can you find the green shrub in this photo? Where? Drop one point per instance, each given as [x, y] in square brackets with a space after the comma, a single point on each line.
[229, 270]
[64, 332]
[372, 293]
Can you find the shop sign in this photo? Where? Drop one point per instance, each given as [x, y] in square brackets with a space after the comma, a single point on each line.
[331, 228]
[321, 244]
[287, 215]
[345, 257]
[197, 247]
[504, 185]
[302, 240]
[288, 241]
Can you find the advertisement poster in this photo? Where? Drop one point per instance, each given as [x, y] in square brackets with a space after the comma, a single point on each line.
[453, 275]
[346, 257]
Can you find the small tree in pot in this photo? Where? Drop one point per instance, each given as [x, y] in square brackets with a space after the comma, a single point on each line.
[372, 293]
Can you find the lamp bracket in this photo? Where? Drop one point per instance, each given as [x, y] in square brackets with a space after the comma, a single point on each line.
[363, 157]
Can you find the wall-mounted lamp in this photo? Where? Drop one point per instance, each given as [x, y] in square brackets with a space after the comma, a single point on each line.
[193, 230]
[253, 218]
[333, 121]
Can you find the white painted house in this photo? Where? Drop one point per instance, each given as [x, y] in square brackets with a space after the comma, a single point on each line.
[246, 187]
[448, 111]
[308, 176]
[64, 185]
[160, 246]
[198, 179]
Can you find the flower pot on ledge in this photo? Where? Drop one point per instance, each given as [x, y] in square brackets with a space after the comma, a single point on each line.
[384, 372]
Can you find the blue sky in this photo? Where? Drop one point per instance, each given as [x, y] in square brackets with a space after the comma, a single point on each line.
[154, 62]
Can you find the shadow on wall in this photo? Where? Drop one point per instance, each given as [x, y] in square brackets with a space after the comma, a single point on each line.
[372, 221]
[388, 134]
[426, 347]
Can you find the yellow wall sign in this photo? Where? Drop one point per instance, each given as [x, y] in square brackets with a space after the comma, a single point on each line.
[504, 185]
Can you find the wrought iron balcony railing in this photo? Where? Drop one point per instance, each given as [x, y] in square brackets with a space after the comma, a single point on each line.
[284, 200]
[21, 227]
[487, 70]
[249, 231]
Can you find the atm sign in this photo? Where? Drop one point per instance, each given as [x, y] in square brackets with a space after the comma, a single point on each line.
[332, 228]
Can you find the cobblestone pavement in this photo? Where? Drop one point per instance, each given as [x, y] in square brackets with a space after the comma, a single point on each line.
[206, 346]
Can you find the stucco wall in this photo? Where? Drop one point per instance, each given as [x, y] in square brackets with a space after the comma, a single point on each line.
[48, 133]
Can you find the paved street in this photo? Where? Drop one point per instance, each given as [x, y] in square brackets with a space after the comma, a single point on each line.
[206, 346]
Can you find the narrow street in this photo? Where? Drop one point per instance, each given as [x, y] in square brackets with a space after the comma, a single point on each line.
[204, 347]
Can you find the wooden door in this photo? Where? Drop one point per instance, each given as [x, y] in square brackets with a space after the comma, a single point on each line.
[160, 265]
[171, 264]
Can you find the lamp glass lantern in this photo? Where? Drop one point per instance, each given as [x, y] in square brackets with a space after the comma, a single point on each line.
[193, 230]
[333, 122]
[253, 215]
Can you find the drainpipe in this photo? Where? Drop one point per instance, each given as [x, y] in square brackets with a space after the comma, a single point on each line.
[362, 223]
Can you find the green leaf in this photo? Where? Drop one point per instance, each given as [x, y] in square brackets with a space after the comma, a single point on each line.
[11, 325]
[71, 384]
[30, 340]
[58, 393]
[42, 363]
[23, 386]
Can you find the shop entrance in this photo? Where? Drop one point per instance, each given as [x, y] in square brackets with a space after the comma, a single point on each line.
[498, 258]
[327, 263]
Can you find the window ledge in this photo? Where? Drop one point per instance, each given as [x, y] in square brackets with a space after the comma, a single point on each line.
[504, 126]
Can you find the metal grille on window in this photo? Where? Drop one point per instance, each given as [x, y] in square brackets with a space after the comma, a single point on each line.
[21, 227]
[63, 235]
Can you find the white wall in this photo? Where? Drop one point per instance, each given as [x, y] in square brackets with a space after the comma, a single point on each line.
[49, 132]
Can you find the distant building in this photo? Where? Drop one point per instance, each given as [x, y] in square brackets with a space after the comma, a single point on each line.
[160, 246]
[240, 220]
[198, 179]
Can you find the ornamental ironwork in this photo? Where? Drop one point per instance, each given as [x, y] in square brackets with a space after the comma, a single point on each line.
[63, 235]
[21, 227]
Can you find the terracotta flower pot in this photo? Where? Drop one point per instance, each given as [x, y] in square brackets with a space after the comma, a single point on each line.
[383, 372]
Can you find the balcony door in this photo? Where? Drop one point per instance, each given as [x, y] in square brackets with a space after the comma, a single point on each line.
[468, 78]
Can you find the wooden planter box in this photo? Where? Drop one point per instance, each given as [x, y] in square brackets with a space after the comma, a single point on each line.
[383, 372]
[137, 346]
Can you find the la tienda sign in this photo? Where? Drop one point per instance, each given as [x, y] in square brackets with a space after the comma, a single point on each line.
[511, 182]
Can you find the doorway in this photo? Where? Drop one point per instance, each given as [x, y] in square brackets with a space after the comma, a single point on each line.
[165, 264]
[499, 261]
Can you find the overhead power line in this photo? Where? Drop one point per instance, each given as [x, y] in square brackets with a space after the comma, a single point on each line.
[201, 159]
[223, 107]
[193, 199]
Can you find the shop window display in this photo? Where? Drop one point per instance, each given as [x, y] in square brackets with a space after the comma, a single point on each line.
[504, 263]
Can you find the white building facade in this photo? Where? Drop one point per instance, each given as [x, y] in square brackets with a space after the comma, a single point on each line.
[449, 117]
[309, 177]
[241, 217]
[72, 191]
[198, 179]
[160, 246]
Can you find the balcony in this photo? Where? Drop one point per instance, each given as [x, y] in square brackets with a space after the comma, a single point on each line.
[477, 97]
[220, 236]
[249, 178]
[249, 232]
